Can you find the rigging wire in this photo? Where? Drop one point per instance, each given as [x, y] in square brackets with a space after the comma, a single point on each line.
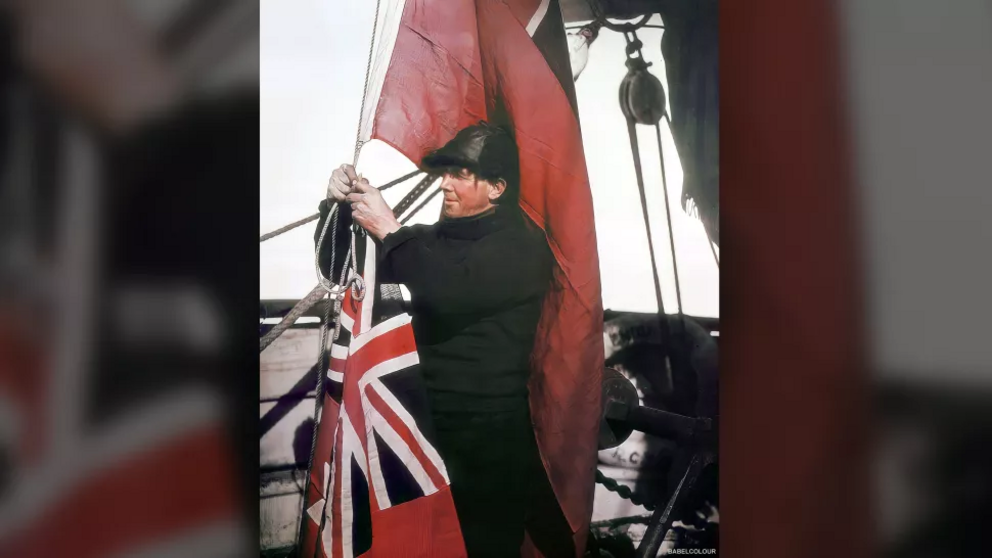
[289, 227]
[321, 368]
[421, 206]
[314, 296]
[668, 213]
[678, 360]
[632, 132]
[414, 194]
[294, 314]
[316, 216]
[365, 90]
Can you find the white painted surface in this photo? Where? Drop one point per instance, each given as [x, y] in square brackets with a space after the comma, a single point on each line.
[279, 518]
[284, 363]
[609, 505]
[276, 445]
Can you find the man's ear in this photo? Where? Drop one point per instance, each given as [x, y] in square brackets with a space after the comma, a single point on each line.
[496, 189]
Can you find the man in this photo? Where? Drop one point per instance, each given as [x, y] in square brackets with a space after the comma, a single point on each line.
[477, 279]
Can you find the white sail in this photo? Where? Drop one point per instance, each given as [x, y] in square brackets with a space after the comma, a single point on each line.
[386, 28]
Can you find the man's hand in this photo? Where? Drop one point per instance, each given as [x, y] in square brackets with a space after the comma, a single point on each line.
[342, 183]
[371, 211]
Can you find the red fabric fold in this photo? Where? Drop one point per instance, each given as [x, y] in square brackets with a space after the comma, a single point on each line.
[456, 62]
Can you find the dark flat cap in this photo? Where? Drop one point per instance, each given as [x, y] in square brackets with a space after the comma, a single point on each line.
[486, 150]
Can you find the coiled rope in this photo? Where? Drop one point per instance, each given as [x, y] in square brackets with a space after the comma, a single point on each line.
[337, 296]
[331, 312]
[324, 285]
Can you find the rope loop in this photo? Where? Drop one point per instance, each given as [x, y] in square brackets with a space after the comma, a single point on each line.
[357, 286]
[337, 292]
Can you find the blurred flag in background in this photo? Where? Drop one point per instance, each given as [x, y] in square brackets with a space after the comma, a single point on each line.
[126, 131]
[128, 137]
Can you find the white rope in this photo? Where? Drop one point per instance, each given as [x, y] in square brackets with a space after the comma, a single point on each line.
[365, 91]
[336, 292]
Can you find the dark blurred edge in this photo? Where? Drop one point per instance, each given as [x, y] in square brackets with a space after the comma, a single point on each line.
[198, 167]
[179, 207]
[794, 387]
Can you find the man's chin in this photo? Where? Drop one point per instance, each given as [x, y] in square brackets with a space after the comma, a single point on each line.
[450, 211]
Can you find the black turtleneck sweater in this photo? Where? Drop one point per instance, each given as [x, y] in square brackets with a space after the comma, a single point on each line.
[477, 285]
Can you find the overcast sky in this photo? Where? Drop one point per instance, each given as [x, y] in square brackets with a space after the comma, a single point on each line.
[313, 57]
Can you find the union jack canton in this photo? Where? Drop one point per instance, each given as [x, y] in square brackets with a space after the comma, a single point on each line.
[378, 486]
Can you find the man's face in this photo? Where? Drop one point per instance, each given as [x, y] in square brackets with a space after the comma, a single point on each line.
[466, 195]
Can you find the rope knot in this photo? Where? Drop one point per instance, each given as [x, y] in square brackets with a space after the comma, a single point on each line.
[357, 286]
[337, 292]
